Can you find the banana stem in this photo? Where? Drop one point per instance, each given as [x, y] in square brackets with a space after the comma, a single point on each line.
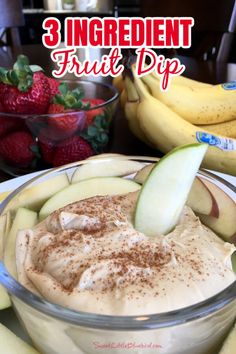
[132, 94]
[141, 88]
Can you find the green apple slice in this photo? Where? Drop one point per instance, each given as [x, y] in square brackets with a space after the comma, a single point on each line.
[34, 197]
[166, 189]
[200, 198]
[107, 168]
[11, 344]
[24, 219]
[229, 346]
[86, 189]
[233, 261]
[5, 301]
[3, 222]
[4, 298]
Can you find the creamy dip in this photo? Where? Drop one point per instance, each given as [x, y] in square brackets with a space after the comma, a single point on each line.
[88, 256]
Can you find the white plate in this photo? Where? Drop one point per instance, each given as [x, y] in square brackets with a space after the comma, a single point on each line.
[8, 317]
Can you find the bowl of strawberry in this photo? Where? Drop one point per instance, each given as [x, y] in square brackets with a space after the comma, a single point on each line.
[45, 122]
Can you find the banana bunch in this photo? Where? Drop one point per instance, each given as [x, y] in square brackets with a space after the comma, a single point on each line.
[199, 104]
[118, 82]
[162, 124]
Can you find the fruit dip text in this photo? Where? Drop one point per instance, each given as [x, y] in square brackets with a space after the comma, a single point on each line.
[88, 256]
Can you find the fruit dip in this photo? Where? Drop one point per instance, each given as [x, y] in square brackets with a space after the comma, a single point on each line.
[88, 256]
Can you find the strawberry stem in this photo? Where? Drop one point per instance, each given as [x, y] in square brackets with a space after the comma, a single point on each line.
[97, 133]
[70, 99]
[21, 75]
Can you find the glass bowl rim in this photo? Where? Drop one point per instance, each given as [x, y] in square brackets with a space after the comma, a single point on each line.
[102, 105]
[110, 322]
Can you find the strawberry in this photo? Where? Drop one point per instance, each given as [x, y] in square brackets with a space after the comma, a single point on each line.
[92, 113]
[22, 90]
[67, 123]
[17, 148]
[46, 145]
[1, 108]
[47, 133]
[71, 150]
[97, 132]
[54, 86]
[8, 124]
[67, 102]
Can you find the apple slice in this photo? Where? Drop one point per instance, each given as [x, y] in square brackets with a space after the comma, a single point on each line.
[107, 168]
[86, 189]
[24, 219]
[143, 174]
[34, 197]
[166, 190]
[229, 345]
[4, 298]
[200, 198]
[233, 260]
[225, 224]
[11, 344]
[3, 222]
[8, 227]
[105, 155]
[5, 225]
[5, 301]
[3, 195]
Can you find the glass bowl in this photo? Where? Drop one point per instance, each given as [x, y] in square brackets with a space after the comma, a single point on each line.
[197, 329]
[46, 142]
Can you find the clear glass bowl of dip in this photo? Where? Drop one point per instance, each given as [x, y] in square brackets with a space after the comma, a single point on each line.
[197, 329]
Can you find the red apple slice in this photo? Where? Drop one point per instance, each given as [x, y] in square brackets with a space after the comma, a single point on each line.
[225, 224]
[202, 200]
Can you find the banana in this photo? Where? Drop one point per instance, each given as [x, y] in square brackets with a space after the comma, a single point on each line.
[212, 105]
[118, 82]
[130, 109]
[228, 128]
[166, 130]
[184, 81]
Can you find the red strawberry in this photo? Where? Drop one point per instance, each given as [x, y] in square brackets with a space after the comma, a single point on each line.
[46, 145]
[8, 124]
[34, 101]
[66, 123]
[54, 86]
[22, 90]
[1, 108]
[16, 148]
[92, 113]
[71, 150]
